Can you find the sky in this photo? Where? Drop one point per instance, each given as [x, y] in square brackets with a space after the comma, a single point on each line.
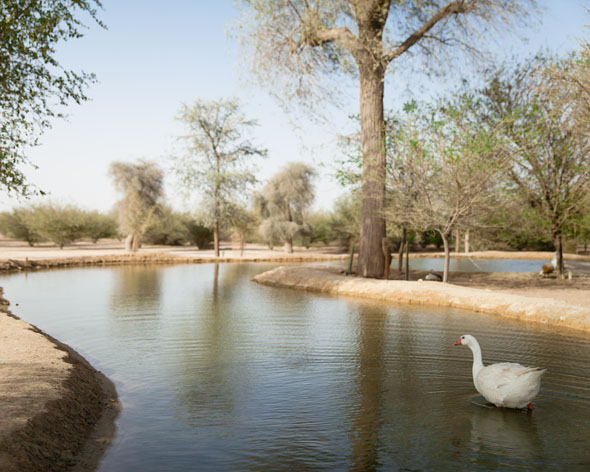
[156, 56]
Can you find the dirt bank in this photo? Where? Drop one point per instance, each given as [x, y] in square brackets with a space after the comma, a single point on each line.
[550, 306]
[57, 411]
[34, 259]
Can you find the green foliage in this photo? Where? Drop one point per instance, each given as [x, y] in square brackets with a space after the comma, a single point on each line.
[345, 219]
[99, 225]
[177, 229]
[428, 238]
[167, 228]
[199, 234]
[60, 224]
[218, 161]
[321, 229]
[540, 106]
[32, 82]
[19, 225]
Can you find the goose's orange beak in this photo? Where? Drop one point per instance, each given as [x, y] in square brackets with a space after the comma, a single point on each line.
[458, 342]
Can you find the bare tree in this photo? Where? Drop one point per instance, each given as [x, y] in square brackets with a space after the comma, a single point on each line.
[142, 186]
[297, 43]
[217, 163]
[283, 202]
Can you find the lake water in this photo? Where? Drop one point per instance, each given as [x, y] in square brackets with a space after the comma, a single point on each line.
[216, 372]
[475, 265]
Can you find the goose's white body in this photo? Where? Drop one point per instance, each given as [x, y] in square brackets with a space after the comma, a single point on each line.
[505, 384]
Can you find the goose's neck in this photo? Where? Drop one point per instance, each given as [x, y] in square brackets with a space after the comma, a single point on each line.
[477, 360]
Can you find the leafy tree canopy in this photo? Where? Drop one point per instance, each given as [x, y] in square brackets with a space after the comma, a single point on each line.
[33, 84]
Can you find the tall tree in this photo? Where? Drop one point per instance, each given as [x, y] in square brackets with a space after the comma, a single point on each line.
[283, 202]
[33, 84]
[142, 186]
[297, 42]
[547, 127]
[218, 158]
[446, 170]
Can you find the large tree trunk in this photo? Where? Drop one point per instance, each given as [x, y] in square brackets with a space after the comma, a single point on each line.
[400, 253]
[216, 238]
[370, 259]
[135, 243]
[289, 245]
[128, 241]
[467, 242]
[132, 242]
[559, 252]
[445, 238]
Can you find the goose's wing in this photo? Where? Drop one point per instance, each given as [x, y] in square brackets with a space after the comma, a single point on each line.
[508, 383]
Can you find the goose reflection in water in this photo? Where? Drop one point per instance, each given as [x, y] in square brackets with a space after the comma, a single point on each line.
[504, 433]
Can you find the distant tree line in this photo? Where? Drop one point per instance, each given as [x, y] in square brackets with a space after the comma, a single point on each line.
[63, 225]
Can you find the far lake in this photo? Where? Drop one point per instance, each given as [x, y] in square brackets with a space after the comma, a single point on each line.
[216, 372]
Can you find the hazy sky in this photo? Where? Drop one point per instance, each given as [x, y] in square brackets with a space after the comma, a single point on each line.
[157, 55]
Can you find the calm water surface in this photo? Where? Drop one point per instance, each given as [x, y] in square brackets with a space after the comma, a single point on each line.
[479, 265]
[475, 265]
[216, 372]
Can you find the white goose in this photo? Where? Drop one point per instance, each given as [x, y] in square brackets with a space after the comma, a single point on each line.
[506, 384]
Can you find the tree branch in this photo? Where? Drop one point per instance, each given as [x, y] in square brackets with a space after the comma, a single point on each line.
[342, 36]
[456, 7]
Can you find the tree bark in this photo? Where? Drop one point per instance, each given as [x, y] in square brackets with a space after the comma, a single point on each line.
[445, 238]
[128, 241]
[557, 241]
[216, 238]
[135, 242]
[386, 257]
[457, 240]
[407, 259]
[400, 254]
[289, 240]
[370, 259]
[467, 242]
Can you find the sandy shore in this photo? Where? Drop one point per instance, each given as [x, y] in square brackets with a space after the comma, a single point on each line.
[58, 412]
[560, 303]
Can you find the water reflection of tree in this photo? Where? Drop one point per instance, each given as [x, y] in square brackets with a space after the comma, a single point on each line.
[228, 346]
[137, 290]
[368, 415]
[207, 375]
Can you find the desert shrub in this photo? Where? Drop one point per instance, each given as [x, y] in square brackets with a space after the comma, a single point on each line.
[19, 225]
[168, 228]
[98, 225]
[199, 234]
[60, 224]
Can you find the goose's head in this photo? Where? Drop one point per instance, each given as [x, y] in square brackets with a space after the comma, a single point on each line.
[465, 340]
